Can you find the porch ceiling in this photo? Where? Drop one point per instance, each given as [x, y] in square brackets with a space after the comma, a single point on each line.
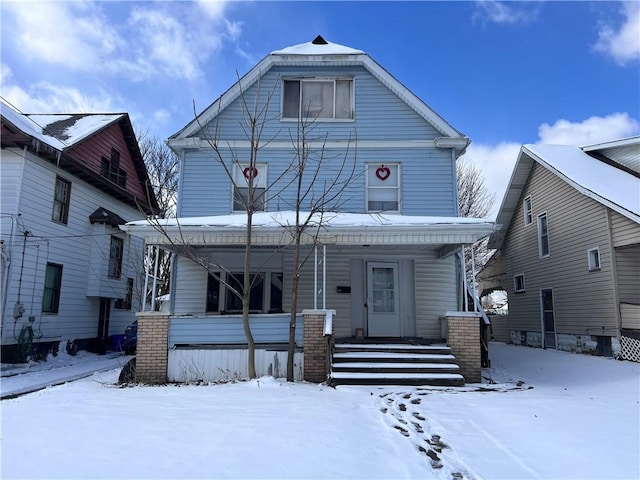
[276, 229]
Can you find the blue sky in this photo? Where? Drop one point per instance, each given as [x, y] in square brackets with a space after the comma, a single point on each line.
[503, 73]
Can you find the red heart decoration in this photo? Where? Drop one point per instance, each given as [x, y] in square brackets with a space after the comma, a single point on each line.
[253, 172]
[383, 173]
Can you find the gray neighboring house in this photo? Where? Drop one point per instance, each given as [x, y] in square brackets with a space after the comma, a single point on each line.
[568, 254]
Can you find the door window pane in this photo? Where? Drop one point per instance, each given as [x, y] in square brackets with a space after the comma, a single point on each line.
[383, 290]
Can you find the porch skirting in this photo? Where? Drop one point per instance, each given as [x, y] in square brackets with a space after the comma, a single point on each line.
[187, 365]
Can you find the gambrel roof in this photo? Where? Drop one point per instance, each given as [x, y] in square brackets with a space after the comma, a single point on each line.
[595, 176]
[322, 53]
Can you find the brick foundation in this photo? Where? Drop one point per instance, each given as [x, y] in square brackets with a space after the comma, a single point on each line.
[316, 345]
[463, 337]
[152, 350]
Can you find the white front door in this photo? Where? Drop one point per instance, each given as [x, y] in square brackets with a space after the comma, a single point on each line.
[383, 310]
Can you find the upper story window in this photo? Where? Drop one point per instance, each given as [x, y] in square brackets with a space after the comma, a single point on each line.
[383, 187]
[543, 235]
[527, 207]
[518, 283]
[594, 259]
[241, 176]
[61, 201]
[52, 287]
[318, 98]
[115, 257]
[110, 168]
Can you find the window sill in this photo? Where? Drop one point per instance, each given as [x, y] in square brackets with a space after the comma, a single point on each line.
[318, 120]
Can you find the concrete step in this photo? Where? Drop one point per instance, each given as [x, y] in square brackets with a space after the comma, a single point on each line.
[389, 357]
[389, 379]
[398, 348]
[395, 367]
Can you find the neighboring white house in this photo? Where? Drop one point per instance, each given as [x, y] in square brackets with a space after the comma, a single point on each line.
[68, 272]
[569, 248]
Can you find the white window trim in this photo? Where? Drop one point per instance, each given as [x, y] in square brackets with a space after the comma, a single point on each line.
[528, 213]
[594, 268]
[540, 254]
[524, 284]
[399, 187]
[261, 183]
[324, 120]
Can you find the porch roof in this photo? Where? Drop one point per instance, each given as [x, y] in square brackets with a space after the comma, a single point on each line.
[328, 228]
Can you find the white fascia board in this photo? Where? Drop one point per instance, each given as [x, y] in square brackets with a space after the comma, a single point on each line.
[585, 191]
[225, 99]
[623, 142]
[291, 60]
[410, 98]
[382, 235]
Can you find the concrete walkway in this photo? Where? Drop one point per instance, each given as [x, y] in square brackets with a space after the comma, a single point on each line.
[26, 378]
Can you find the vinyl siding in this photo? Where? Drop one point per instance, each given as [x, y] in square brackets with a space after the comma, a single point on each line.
[379, 113]
[628, 269]
[427, 173]
[625, 231]
[583, 299]
[72, 245]
[91, 151]
[434, 290]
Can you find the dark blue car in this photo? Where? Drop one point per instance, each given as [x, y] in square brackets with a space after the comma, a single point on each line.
[130, 341]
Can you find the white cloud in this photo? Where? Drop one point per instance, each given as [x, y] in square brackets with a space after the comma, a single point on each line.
[622, 42]
[5, 73]
[168, 39]
[74, 34]
[505, 13]
[45, 97]
[589, 131]
[497, 161]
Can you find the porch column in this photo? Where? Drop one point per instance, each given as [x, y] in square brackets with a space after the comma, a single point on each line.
[463, 337]
[152, 350]
[317, 346]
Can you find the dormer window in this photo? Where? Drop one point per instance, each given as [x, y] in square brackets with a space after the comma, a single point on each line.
[318, 99]
[110, 168]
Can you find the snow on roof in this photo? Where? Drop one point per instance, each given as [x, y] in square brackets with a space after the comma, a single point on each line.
[70, 129]
[328, 219]
[592, 177]
[319, 46]
[58, 131]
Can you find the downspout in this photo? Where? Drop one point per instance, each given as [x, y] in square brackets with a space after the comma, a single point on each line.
[315, 277]
[146, 279]
[464, 282]
[6, 262]
[324, 277]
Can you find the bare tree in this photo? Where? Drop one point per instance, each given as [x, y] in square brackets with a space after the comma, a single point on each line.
[163, 169]
[314, 200]
[474, 200]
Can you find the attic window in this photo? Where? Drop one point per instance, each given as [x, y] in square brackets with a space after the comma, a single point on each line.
[110, 168]
[318, 99]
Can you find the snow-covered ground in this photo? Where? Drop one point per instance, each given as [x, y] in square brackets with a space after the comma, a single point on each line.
[549, 415]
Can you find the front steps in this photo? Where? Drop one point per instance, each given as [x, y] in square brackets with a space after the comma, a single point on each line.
[394, 364]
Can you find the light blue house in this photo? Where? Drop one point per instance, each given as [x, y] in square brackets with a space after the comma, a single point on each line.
[384, 254]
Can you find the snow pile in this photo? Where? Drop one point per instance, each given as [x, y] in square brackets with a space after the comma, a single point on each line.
[547, 414]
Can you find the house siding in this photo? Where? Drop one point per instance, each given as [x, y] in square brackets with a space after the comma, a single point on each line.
[628, 266]
[583, 300]
[379, 113]
[427, 173]
[72, 245]
[433, 279]
[90, 152]
[624, 231]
